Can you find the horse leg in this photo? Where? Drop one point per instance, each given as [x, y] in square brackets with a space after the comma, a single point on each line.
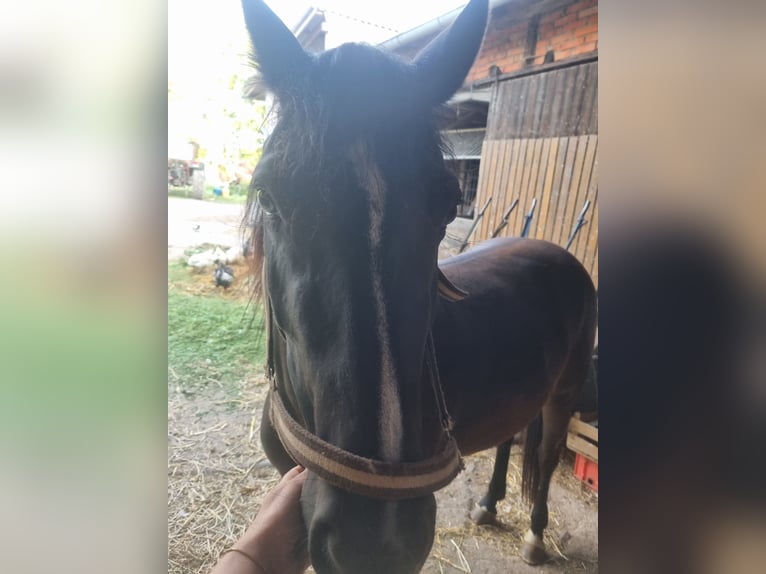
[555, 421]
[486, 511]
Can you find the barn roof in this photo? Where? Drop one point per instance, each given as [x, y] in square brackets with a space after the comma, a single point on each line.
[321, 29]
[417, 37]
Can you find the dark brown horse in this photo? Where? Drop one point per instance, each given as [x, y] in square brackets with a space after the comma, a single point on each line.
[381, 367]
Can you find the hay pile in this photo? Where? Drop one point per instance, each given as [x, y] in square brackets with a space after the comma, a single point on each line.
[201, 282]
[462, 546]
[217, 471]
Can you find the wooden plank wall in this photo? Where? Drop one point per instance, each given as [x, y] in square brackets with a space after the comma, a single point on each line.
[542, 142]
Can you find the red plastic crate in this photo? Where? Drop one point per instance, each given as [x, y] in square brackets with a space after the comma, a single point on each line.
[587, 471]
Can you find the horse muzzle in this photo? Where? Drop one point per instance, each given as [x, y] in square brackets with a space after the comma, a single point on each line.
[349, 533]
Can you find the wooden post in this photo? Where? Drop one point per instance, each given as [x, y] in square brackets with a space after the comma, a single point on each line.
[198, 183]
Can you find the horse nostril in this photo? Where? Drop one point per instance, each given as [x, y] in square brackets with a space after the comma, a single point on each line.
[332, 552]
[335, 553]
[319, 551]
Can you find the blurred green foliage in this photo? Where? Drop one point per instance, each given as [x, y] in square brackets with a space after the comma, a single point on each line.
[76, 367]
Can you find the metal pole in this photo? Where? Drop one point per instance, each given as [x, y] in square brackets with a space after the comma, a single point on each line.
[473, 226]
[504, 220]
[528, 218]
[579, 223]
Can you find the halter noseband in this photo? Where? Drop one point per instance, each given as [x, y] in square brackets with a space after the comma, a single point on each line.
[358, 474]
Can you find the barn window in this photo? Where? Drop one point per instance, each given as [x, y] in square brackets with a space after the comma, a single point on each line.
[463, 159]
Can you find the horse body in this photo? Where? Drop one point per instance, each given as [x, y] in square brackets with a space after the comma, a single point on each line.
[516, 353]
[527, 320]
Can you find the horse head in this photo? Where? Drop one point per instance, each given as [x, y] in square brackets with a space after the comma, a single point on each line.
[349, 204]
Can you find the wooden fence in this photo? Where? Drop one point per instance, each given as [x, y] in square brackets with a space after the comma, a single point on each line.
[542, 143]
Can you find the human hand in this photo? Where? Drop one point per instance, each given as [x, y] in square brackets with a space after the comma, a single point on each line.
[276, 540]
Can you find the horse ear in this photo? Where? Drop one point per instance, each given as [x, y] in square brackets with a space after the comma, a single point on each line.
[444, 63]
[279, 56]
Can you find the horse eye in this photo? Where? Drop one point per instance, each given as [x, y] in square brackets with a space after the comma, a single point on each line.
[266, 202]
[444, 209]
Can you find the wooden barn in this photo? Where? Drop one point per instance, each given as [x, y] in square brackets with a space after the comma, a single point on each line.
[525, 124]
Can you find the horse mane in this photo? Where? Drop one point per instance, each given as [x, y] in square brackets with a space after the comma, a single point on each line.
[252, 240]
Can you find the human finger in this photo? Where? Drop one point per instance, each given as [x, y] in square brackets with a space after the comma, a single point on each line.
[290, 485]
[292, 473]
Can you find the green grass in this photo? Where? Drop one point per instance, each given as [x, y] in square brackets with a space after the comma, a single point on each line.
[211, 339]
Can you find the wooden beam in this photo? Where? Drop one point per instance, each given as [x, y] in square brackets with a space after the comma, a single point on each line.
[569, 62]
[579, 427]
[582, 446]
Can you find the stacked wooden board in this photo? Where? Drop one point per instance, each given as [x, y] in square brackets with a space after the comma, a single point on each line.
[583, 440]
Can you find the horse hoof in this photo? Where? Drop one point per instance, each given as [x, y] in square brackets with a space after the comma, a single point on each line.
[533, 555]
[480, 515]
[533, 550]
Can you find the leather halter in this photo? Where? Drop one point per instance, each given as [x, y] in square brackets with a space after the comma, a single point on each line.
[358, 474]
[448, 290]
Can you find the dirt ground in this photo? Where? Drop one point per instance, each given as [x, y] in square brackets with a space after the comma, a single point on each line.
[218, 474]
[192, 222]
